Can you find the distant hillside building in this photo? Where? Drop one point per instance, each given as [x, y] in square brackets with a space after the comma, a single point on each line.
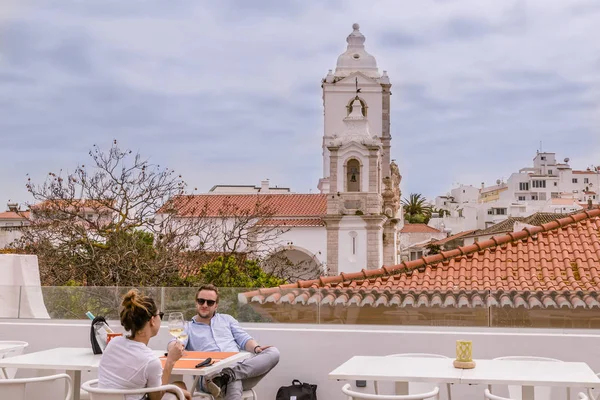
[548, 186]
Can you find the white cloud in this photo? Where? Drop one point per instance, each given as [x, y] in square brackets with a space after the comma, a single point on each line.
[229, 91]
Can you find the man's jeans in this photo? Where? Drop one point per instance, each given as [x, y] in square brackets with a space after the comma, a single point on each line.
[250, 371]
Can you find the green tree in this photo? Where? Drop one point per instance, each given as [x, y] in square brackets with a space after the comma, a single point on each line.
[233, 272]
[416, 209]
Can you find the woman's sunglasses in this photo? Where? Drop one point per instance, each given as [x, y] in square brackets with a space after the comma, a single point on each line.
[210, 303]
[161, 315]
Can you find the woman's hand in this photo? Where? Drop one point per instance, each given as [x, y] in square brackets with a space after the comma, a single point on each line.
[175, 352]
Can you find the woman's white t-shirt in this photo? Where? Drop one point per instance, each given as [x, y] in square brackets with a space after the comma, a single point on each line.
[127, 364]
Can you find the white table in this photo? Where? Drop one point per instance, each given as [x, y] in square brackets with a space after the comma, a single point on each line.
[440, 370]
[74, 360]
[530, 373]
[398, 369]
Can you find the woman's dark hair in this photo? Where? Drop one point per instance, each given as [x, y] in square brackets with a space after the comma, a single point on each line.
[137, 309]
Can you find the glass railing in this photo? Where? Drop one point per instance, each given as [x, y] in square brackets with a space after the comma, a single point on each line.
[563, 310]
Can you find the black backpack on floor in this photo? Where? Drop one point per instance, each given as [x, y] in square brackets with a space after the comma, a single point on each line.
[298, 390]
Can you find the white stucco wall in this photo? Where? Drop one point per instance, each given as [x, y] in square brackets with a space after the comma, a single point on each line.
[308, 239]
[350, 226]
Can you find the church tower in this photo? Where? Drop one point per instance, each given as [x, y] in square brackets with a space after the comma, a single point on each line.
[363, 202]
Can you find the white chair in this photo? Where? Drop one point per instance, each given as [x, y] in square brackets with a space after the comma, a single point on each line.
[489, 396]
[352, 395]
[14, 389]
[418, 387]
[10, 348]
[119, 394]
[582, 396]
[540, 392]
[246, 394]
[590, 395]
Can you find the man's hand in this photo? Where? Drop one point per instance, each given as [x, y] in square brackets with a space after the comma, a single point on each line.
[260, 349]
[188, 395]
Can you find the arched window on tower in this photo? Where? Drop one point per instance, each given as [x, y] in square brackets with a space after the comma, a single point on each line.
[353, 175]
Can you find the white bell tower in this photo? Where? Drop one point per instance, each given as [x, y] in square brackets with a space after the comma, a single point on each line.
[357, 175]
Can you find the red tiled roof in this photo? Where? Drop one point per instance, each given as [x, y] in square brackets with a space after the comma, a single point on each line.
[277, 205]
[418, 228]
[556, 264]
[455, 236]
[585, 172]
[14, 215]
[291, 222]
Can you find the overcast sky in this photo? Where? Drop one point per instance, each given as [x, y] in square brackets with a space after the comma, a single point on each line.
[228, 92]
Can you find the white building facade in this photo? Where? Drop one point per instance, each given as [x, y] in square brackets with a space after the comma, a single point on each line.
[547, 186]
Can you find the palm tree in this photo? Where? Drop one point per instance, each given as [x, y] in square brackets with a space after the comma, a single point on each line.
[416, 208]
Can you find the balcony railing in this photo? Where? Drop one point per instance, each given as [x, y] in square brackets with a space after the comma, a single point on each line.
[324, 306]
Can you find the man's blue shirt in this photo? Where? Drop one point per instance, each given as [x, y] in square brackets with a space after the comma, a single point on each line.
[223, 334]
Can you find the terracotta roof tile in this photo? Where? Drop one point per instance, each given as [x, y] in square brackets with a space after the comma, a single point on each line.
[553, 265]
[452, 237]
[277, 205]
[418, 228]
[14, 215]
[291, 222]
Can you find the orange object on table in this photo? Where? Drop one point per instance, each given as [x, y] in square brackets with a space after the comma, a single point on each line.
[192, 358]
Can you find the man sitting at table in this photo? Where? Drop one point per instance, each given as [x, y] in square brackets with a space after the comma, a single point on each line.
[212, 331]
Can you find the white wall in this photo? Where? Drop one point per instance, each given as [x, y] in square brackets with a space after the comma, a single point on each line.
[310, 352]
[348, 262]
[312, 239]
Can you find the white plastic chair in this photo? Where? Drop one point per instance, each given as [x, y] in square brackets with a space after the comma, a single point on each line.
[119, 394]
[14, 389]
[12, 348]
[418, 387]
[590, 395]
[352, 395]
[246, 394]
[490, 396]
[540, 392]
[582, 396]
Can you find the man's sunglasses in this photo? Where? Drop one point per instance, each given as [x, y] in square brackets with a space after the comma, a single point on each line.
[210, 303]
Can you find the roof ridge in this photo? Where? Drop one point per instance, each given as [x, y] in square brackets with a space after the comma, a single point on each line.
[407, 266]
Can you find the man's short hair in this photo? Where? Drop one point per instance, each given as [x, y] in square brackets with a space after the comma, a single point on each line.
[209, 286]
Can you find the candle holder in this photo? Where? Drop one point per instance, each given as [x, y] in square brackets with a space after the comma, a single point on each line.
[464, 354]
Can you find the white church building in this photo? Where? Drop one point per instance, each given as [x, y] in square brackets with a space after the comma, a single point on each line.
[353, 223]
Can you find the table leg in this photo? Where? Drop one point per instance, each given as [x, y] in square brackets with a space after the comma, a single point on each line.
[527, 392]
[402, 388]
[76, 379]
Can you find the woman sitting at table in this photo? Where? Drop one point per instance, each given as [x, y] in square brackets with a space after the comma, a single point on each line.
[128, 362]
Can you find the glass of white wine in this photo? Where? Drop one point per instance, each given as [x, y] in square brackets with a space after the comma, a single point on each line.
[177, 325]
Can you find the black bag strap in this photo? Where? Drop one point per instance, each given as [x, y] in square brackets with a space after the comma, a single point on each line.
[296, 382]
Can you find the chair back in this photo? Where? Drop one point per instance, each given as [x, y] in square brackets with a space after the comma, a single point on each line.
[120, 394]
[11, 348]
[590, 393]
[539, 392]
[14, 389]
[352, 395]
[422, 387]
[489, 396]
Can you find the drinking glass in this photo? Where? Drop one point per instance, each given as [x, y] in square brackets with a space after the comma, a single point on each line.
[176, 324]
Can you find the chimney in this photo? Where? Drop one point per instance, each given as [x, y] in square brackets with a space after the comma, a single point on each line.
[590, 206]
[14, 207]
[482, 185]
[264, 186]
